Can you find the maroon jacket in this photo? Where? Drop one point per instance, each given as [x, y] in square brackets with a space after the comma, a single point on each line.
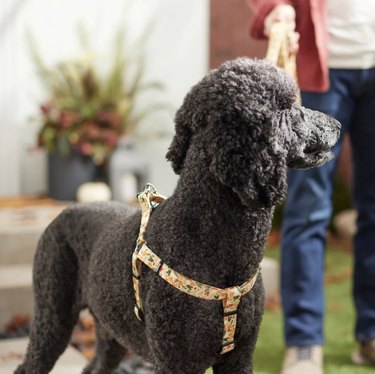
[311, 20]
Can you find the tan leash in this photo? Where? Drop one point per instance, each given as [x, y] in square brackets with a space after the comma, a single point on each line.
[278, 50]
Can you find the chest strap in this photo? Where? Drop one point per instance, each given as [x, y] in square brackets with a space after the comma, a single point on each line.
[230, 297]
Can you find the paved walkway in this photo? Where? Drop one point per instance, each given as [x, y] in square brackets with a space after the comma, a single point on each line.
[12, 351]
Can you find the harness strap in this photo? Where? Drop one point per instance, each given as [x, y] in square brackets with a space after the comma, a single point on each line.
[230, 297]
[148, 199]
[177, 280]
[230, 306]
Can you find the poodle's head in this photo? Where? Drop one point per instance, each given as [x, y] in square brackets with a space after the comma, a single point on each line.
[243, 118]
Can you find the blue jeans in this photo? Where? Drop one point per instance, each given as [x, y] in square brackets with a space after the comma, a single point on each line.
[351, 100]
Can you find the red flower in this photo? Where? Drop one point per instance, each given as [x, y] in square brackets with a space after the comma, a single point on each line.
[46, 108]
[86, 148]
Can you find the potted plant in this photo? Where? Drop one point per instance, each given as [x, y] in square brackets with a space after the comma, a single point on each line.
[86, 113]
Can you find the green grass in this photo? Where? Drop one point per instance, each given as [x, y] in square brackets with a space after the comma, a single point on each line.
[339, 323]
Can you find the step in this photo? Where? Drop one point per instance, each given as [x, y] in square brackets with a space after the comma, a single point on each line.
[20, 230]
[16, 297]
[13, 350]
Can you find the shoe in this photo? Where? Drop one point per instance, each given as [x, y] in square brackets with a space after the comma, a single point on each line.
[365, 354]
[305, 360]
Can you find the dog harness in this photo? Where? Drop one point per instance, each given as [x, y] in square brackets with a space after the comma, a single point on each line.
[230, 297]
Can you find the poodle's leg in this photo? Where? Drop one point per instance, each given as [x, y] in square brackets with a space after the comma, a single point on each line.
[108, 353]
[230, 367]
[56, 307]
[49, 337]
[239, 361]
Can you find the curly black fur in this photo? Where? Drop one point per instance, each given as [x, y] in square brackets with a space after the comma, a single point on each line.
[236, 133]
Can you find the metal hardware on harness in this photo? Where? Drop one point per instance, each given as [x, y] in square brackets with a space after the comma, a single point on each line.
[230, 297]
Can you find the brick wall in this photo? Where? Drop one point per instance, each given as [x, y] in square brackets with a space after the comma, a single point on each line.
[229, 32]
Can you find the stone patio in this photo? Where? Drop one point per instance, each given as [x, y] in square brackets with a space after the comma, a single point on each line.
[12, 352]
[21, 223]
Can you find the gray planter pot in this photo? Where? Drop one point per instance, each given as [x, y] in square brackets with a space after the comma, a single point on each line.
[66, 174]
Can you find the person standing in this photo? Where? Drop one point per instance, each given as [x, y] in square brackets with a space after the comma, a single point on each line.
[336, 74]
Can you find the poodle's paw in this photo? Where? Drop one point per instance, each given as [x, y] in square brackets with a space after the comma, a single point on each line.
[89, 369]
[20, 370]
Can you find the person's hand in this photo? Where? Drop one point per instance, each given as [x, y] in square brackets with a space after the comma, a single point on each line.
[284, 13]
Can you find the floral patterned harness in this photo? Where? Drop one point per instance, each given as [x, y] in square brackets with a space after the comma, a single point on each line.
[231, 297]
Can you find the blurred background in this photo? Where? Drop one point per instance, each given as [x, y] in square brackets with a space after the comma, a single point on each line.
[88, 93]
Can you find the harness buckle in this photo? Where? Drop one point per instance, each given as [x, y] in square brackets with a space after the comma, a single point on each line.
[139, 313]
[149, 188]
[227, 314]
[225, 348]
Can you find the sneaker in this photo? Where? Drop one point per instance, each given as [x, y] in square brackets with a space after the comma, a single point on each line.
[365, 354]
[306, 360]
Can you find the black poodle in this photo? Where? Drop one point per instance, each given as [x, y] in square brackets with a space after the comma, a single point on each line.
[237, 132]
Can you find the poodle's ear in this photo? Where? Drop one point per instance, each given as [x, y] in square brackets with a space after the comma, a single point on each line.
[180, 143]
[246, 159]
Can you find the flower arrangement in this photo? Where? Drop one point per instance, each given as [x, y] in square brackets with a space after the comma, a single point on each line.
[88, 112]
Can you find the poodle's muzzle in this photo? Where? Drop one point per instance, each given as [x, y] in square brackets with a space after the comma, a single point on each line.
[313, 134]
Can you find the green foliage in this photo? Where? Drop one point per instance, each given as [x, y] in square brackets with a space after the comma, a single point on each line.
[339, 324]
